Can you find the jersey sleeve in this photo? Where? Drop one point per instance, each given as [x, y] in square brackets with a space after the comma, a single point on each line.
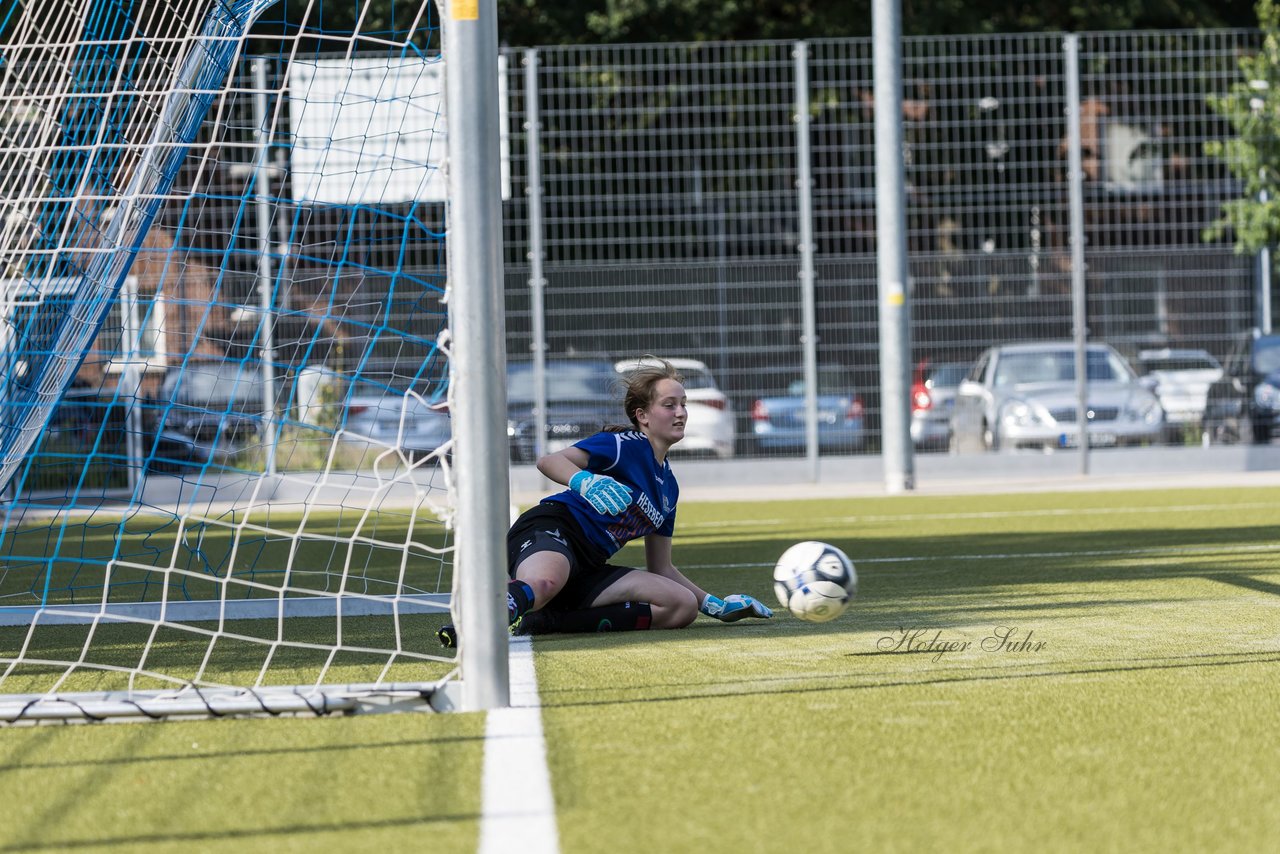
[603, 451]
[668, 528]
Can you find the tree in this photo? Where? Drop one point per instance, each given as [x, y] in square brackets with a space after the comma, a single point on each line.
[1252, 153]
[532, 23]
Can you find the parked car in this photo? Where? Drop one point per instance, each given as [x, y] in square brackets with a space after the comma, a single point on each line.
[583, 395]
[933, 393]
[1181, 380]
[380, 412]
[1244, 404]
[207, 410]
[1024, 395]
[709, 427]
[778, 423]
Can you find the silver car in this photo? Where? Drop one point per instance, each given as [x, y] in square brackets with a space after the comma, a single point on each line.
[933, 393]
[386, 417]
[1024, 395]
[1181, 379]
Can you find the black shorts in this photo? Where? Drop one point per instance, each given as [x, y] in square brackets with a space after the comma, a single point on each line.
[551, 527]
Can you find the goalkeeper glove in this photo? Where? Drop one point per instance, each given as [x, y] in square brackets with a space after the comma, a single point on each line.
[730, 609]
[602, 492]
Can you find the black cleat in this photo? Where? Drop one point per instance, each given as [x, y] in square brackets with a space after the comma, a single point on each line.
[532, 623]
[448, 636]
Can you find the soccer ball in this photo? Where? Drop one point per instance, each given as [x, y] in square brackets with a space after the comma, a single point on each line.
[815, 581]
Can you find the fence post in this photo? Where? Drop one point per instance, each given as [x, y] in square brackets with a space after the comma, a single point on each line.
[808, 309]
[1263, 310]
[266, 274]
[891, 250]
[537, 282]
[1075, 181]
[130, 381]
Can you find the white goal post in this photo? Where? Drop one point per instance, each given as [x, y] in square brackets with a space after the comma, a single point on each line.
[274, 511]
[479, 350]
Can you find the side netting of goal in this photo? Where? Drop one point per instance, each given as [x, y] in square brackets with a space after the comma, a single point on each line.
[225, 363]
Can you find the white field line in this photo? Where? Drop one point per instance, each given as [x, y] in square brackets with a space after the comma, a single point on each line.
[1173, 551]
[517, 810]
[988, 514]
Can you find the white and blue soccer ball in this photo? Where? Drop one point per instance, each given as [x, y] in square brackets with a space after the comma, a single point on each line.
[815, 581]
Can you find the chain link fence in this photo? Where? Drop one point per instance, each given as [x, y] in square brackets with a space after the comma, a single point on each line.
[666, 215]
[655, 207]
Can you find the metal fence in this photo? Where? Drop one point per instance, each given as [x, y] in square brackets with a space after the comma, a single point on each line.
[655, 207]
[665, 214]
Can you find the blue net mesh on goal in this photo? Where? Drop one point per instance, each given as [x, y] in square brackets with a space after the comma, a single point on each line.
[223, 345]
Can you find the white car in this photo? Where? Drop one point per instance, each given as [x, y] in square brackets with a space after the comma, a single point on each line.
[710, 427]
[1181, 379]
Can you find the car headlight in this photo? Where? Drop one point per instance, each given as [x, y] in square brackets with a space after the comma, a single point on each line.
[1144, 409]
[1266, 396]
[1020, 413]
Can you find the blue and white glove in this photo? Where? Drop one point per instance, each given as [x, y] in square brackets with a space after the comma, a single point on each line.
[730, 609]
[601, 491]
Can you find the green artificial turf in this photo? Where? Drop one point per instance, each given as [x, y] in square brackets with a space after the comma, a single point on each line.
[407, 782]
[1132, 706]
[1125, 699]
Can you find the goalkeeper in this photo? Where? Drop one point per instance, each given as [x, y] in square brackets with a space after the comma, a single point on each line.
[620, 488]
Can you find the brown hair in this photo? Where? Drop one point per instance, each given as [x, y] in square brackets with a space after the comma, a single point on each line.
[639, 388]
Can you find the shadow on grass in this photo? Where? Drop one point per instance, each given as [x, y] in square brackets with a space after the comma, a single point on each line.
[804, 684]
[230, 834]
[299, 651]
[950, 589]
[938, 579]
[942, 576]
[947, 589]
[222, 755]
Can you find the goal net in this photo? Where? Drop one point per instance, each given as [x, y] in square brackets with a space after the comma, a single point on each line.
[225, 444]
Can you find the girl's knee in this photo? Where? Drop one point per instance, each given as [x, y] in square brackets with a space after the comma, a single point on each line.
[680, 611]
[544, 588]
[546, 574]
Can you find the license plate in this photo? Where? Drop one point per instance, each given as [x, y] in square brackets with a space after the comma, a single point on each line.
[554, 445]
[1096, 440]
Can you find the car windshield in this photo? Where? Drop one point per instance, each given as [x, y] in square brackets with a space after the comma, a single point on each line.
[695, 380]
[947, 376]
[391, 388]
[1179, 363]
[1266, 354]
[216, 384]
[565, 381]
[1050, 366]
[830, 381]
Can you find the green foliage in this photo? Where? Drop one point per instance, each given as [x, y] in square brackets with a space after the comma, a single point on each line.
[1252, 107]
[534, 23]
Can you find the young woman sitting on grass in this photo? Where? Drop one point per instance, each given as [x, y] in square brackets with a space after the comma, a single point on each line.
[620, 488]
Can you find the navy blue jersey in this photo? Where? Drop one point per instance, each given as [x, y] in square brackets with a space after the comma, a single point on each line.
[627, 458]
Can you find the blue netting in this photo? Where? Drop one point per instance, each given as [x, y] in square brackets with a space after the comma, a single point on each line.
[188, 323]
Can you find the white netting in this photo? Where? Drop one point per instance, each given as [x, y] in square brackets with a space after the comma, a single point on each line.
[223, 419]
